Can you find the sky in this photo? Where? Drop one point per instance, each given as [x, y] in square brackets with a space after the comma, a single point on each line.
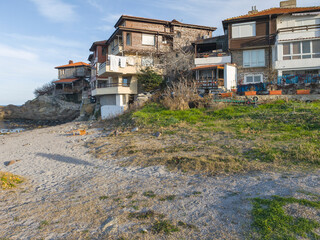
[38, 35]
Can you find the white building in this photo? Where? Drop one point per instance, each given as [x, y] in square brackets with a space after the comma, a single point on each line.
[298, 44]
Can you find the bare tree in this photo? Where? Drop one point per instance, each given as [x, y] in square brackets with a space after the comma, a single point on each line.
[47, 88]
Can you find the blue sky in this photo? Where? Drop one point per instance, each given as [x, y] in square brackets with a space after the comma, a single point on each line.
[37, 35]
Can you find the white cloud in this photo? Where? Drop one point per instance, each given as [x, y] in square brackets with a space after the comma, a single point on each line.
[56, 10]
[10, 52]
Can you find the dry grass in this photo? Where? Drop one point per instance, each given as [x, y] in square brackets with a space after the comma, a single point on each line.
[179, 95]
[9, 180]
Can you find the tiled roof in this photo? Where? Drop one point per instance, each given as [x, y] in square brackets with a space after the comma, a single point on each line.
[77, 64]
[67, 80]
[208, 67]
[97, 43]
[275, 11]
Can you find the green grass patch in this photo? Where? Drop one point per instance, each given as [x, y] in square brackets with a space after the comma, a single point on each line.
[164, 226]
[168, 198]
[149, 194]
[271, 221]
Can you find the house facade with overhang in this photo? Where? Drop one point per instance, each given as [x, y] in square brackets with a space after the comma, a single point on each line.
[73, 80]
[137, 43]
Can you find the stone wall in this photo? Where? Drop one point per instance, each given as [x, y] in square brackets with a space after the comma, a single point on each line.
[187, 35]
[237, 58]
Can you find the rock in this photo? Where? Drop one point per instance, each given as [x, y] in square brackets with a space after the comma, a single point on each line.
[109, 224]
[43, 108]
[8, 163]
[136, 129]
[157, 134]
[116, 132]
[143, 230]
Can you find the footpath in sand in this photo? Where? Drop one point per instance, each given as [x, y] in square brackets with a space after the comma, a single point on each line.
[69, 194]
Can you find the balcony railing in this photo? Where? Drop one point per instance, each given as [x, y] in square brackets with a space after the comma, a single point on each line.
[209, 82]
[109, 85]
[212, 54]
[299, 28]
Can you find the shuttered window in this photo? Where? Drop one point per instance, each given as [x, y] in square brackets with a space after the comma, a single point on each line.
[148, 39]
[254, 58]
[244, 30]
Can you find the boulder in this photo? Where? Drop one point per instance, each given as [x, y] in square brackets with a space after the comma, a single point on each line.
[42, 108]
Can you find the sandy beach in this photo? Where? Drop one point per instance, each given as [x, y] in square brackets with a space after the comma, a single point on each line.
[70, 194]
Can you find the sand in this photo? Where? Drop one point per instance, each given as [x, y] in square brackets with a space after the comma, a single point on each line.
[69, 194]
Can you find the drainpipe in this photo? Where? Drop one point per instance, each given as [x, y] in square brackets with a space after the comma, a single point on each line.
[269, 42]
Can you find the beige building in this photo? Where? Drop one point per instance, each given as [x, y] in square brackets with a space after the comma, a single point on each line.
[135, 44]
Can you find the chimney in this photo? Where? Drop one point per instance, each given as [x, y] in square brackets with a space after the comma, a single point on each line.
[70, 62]
[288, 4]
[254, 10]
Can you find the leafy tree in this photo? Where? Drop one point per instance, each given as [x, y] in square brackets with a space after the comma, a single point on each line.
[149, 80]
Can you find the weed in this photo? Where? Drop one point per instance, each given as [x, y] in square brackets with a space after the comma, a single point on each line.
[43, 224]
[141, 215]
[186, 225]
[103, 197]
[149, 194]
[8, 180]
[271, 221]
[196, 193]
[164, 226]
[168, 198]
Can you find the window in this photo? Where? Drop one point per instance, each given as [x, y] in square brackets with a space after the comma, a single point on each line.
[164, 40]
[301, 50]
[126, 81]
[244, 30]
[253, 78]
[178, 34]
[128, 39]
[63, 71]
[254, 58]
[316, 49]
[148, 39]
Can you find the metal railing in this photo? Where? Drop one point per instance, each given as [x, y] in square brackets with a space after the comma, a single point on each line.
[109, 85]
[212, 54]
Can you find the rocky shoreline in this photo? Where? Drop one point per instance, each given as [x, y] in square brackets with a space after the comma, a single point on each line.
[43, 108]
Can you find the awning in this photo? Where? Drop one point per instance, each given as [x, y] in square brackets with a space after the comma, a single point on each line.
[67, 80]
[221, 66]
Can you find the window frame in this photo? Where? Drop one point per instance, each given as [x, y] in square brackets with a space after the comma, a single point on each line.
[149, 35]
[253, 75]
[302, 55]
[238, 25]
[251, 63]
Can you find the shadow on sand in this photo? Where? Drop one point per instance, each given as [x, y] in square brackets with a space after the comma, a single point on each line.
[65, 159]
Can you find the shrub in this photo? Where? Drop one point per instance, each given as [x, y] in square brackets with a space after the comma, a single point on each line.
[179, 95]
[149, 80]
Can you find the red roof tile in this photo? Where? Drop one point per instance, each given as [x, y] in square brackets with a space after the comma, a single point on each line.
[77, 64]
[276, 11]
[67, 80]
